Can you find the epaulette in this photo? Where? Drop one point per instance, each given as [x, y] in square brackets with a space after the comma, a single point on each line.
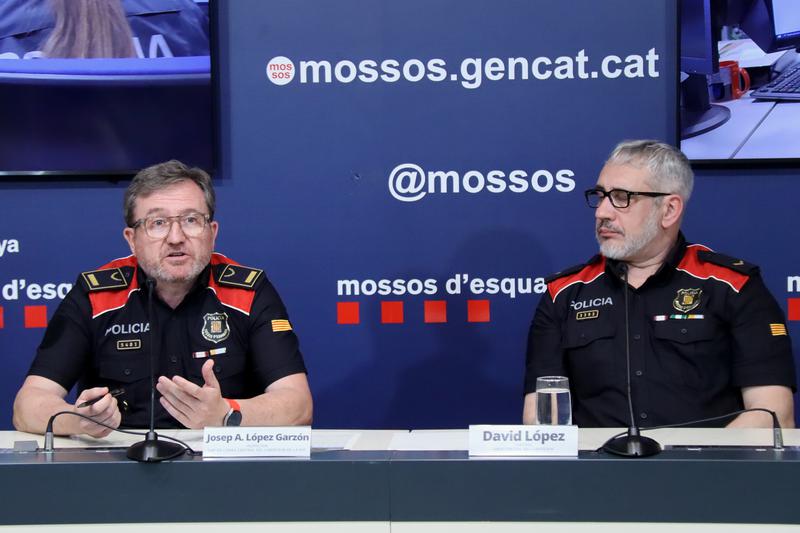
[585, 273]
[703, 263]
[572, 270]
[733, 263]
[107, 279]
[238, 276]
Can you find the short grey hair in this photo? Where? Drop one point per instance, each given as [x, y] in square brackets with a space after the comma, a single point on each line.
[670, 170]
[161, 176]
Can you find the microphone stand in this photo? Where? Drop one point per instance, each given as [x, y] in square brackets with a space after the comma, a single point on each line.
[632, 444]
[152, 450]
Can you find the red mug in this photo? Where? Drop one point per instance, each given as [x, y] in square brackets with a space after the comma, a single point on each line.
[735, 79]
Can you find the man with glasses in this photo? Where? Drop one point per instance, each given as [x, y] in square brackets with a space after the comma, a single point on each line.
[704, 334]
[226, 351]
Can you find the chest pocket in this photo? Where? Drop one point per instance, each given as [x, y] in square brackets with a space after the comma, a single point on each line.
[687, 350]
[684, 331]
[230, 370]
[125, 369]
[131, 372]
[589, 351]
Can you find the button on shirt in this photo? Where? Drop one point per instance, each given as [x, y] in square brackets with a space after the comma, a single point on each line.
[701, 328]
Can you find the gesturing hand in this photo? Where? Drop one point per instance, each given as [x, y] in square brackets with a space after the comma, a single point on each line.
[192, 405]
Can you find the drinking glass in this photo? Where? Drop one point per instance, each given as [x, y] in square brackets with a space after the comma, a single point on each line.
[553, 405]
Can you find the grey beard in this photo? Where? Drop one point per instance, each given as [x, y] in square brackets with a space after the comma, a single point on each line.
[631, 246]
[160, 274]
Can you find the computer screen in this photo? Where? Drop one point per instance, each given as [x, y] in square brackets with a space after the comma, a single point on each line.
[748, 125]
[786, 20]
[86, 110]
[773, 24]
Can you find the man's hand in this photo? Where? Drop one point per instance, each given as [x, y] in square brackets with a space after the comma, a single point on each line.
[193, 406]
[105, 410]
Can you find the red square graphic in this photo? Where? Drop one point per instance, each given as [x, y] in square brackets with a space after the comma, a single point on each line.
[391, 312]
[794, 309]
[435, 311]
[477, 310]
[347, 313]
[2, 323]
[35, 316]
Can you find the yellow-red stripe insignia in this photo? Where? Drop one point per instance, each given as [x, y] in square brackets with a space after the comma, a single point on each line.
[281, 325]
[778, 329]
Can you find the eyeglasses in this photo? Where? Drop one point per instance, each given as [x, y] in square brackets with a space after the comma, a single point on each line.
[619, 198]
[192, 224]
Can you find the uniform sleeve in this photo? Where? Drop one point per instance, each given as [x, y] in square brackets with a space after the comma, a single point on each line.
[66, 347]
[273, 343]
[545, 353]
[762, 350]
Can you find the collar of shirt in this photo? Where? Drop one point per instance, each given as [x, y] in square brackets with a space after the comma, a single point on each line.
[665, 271]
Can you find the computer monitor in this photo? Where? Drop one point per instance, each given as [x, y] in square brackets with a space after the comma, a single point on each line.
[701, 22]
[699, 53]
[773, 24]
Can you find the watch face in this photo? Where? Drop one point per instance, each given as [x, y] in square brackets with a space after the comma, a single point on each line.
[235, 419]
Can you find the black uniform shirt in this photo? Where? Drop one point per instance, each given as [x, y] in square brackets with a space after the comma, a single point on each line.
[100, 335]
[701, 328]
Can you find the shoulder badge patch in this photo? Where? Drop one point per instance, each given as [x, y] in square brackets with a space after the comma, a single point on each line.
[281, 325]
[108, 278]
[777, 330]
[237, 276]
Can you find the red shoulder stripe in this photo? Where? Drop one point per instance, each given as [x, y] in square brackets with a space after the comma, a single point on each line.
[692, 265]
[235, 298]
[105, 301]
[586, 275]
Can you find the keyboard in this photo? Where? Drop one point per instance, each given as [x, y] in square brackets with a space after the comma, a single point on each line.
[785, 87]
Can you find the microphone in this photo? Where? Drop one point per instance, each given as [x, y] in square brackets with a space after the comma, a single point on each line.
[631, 444]
[152, 450]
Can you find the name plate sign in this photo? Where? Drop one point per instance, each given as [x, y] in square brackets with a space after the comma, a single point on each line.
[291, 441]
[523, 441]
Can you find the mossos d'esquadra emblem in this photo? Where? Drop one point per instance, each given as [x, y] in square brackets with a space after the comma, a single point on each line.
[687, 299]
[215, 327]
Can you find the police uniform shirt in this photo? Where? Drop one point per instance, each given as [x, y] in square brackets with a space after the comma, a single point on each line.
[100, 336]
[701, 328]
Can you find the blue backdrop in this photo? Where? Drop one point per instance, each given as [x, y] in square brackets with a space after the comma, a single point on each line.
[407, 173]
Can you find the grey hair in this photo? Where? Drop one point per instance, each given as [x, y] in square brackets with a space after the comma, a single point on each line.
[669, 168]
[161, 176]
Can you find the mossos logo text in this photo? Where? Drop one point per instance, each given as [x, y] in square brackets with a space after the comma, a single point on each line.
[470, 72]
[280, 70]
[409, 182]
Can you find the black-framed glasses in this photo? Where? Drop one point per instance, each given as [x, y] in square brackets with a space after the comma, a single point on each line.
[619, 198]
[157, 227]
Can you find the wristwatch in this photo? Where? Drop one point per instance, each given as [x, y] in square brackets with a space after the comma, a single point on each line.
[234, 416]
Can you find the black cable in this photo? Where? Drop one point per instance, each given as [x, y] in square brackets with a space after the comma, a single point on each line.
[775, 422]
[49, 430]
[150, 282]
[624, 268]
